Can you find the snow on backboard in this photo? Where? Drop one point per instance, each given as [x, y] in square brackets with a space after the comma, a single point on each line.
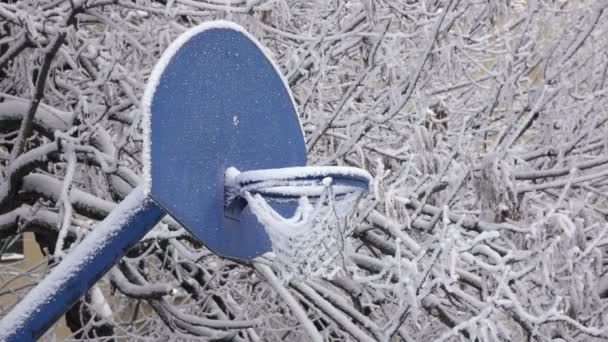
[216, 100]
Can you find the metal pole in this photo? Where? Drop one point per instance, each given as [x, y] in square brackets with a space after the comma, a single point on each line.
[81, 268]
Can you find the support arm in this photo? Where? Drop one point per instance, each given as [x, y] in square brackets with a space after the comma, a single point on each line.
[81, 268]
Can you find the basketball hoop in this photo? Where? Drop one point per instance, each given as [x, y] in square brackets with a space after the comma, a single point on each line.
[310, 243]
[215, 99]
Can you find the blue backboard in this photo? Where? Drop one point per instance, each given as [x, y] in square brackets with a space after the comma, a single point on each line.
[216, 100]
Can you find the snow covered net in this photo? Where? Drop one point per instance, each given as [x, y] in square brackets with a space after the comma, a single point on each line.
[310, 243]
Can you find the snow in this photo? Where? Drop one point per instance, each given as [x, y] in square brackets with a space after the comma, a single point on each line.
[533, 81]
[64, 199]
[46, 117]
[11, 257]
[139, 291]
[334, 313]
[293, 304]
[159, 68]
[308, 244]
[230, 176]
[304, 190]
[99, 303]
[38, 154]
[72, 264]
[302, 172]
[51, 188]
[294, 182]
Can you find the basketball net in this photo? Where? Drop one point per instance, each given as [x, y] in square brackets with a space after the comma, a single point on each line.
[311, 242]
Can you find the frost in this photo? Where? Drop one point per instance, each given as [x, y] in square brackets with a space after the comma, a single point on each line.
[308, 243]
[483, 124]
[71, 265]
[99, 303]
[47, 118]
[301, 172]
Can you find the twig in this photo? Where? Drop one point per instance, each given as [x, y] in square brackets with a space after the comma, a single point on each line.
[26, 123]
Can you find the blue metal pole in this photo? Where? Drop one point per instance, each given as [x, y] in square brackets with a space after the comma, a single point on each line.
[81, 268]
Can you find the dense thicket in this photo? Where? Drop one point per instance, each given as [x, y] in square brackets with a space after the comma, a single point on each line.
[484, 124]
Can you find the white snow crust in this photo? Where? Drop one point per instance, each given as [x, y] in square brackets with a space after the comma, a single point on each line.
[300, 172]
[285, 184]
[296, 191]
[45, 116]
[308, 243]
[99, 303]
[162, 64]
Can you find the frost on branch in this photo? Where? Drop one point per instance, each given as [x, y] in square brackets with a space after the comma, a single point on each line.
[496, 191]
[484, 124]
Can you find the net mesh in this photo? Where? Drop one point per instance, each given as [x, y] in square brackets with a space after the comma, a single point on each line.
[310, 243]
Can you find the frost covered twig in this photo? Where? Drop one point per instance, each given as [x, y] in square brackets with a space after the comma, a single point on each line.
[484, 123]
